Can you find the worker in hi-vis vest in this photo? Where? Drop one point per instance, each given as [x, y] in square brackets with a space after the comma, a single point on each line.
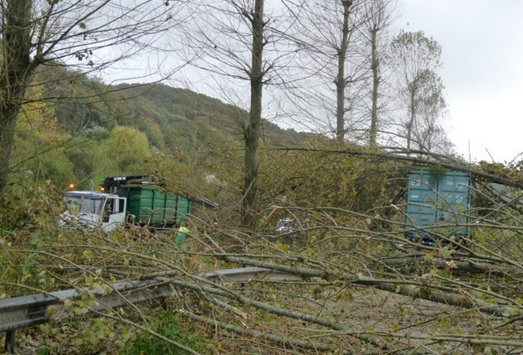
[183, 233]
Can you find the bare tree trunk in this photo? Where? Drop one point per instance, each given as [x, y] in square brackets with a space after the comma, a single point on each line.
[412, 116]
[15, 74]
[7, 129]
[341, 82]
[253, 128]
[375, 85]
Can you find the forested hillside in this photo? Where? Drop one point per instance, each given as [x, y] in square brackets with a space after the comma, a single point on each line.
[91, 136]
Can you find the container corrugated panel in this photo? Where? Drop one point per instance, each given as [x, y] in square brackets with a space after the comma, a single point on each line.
[437, 200]
[184, 209]
[152, 207]
[420, 201]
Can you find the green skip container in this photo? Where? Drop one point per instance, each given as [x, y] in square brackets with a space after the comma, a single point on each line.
[148, 205]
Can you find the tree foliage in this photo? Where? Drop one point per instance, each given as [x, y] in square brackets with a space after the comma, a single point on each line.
[328, 178]
[38, 141]
[126, 150]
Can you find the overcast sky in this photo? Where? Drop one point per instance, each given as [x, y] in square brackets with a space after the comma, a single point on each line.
[482, 44]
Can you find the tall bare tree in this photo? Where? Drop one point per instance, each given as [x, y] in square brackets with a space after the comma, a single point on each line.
[427, 130]
[330, 64]
[341, 81]
[239, 52]
[379, 15]
[88, 35]
[252, 129]
[416, 60]
[343, 44]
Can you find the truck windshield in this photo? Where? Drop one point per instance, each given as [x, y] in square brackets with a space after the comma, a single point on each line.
[76, 204]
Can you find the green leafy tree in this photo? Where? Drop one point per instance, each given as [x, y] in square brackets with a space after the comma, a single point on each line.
[124, 152]
[38, 141]
[86, 153]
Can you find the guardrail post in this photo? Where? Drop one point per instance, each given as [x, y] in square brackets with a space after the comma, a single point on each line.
[10, 341]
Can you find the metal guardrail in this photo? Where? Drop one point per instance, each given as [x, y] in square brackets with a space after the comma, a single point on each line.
[26, 311]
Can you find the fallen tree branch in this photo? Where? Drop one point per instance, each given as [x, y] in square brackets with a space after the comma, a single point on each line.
[303, 344]
[407, 288]
[468, 266]
[439, 160]
[311, 318]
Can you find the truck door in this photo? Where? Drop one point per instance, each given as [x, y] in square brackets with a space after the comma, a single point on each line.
[114, 213]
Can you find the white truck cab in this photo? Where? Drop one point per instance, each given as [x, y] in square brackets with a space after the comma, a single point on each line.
[90, 209]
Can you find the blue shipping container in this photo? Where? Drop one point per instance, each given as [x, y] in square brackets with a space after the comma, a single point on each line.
[433, 201]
